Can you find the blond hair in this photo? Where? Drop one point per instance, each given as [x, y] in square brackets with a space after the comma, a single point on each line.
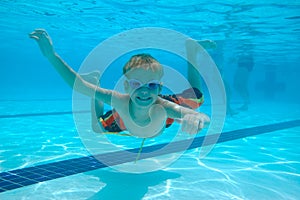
[145, 61]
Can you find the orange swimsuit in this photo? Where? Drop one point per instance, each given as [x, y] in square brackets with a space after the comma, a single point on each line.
[190, 98]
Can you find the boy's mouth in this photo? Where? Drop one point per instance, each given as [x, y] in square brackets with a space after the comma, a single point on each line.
[144, 99]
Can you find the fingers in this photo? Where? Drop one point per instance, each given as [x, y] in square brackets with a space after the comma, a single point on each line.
[43, 40]
[190, 124]
[33, 37]
[193, 124]
[39, 31]
[38, 34]
[206, 121]
[201, 125]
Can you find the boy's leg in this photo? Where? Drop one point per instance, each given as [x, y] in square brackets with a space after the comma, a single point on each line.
[192, 50]
[193, 74]
[96, 105]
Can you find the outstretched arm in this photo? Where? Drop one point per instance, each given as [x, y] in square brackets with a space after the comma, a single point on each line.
[66, 72]
[46, 47]
[191, 121]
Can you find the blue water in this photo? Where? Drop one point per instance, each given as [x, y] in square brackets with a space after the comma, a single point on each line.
[265, 166]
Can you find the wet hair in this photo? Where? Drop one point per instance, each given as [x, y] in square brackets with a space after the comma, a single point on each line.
[145, 61]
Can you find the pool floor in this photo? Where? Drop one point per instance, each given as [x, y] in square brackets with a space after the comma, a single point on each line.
[245, 164]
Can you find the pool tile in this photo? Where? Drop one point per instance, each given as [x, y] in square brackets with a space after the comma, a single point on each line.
[27, 176]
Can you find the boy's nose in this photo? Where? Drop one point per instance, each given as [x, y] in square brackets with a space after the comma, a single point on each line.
[144, 91]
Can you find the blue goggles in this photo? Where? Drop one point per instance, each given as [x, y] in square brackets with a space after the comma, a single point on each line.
[152, 85]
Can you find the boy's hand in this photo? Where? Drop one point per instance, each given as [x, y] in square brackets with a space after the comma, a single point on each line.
[193, 123]
[44, 42]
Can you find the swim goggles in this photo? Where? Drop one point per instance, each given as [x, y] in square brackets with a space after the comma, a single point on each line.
[152, 85]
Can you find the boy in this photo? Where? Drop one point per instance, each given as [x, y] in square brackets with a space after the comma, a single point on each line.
[142, 111]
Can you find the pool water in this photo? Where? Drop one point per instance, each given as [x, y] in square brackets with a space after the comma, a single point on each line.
[36, 106]
[265, 165]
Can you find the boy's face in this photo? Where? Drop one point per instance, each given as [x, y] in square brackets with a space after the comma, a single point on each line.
[143, 86]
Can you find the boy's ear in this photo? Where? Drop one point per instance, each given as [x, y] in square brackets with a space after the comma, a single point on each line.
[126, 85]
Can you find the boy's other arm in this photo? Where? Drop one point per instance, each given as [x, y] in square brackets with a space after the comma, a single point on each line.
[66, 72]
[191, 121]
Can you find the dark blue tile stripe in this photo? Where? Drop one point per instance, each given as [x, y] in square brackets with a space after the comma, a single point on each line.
[42, 114]
[27, 176]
